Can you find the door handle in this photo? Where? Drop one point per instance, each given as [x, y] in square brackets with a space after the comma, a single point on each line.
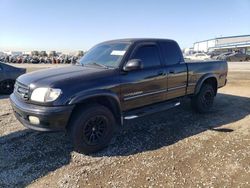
[171, 72]
[160, 73]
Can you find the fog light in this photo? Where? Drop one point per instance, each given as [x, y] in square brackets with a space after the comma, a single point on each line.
[34, 120]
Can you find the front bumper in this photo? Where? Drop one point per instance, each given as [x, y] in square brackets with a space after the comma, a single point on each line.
[51, 118]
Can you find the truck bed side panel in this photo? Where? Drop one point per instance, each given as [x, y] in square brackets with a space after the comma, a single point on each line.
[199, 70]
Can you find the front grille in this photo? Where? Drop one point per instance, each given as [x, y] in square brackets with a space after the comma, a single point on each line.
[21, 90]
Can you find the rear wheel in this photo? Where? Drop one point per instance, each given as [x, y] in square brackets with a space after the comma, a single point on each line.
[92, 128]
[203, 101]
[7, 86]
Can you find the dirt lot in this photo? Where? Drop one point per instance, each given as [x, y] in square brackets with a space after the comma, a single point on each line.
[175, 148]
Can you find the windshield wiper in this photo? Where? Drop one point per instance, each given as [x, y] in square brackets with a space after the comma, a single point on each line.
[98, 64]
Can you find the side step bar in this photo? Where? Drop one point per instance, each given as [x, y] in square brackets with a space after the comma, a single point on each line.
[150, 110]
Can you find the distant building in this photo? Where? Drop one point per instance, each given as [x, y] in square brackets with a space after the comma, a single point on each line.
[231, 43]
[188, 51]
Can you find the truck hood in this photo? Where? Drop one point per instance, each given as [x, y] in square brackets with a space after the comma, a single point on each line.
[55, 76]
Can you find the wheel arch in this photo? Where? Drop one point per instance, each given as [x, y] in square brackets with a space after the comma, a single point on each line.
[105, 98]
[209, 79]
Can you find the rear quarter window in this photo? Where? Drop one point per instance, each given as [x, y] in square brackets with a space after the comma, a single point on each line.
[171, 53]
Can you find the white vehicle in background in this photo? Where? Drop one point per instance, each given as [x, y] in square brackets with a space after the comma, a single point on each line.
[198, 57]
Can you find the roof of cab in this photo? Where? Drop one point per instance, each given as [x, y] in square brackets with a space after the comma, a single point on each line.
[138, 40]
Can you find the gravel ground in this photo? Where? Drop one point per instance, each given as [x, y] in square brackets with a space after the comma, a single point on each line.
[175, 148]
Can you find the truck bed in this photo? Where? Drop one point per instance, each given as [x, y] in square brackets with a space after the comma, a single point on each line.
[197, 70]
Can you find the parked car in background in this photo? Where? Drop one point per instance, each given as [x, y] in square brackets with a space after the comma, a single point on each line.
[35, 60]
[41, 58]
[223, 55]
[2, 58]
[237, 56]
[8, 75]
[198, 57]
[214, 54]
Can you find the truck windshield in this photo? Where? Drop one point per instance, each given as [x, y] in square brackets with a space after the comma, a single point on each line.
[107, 55]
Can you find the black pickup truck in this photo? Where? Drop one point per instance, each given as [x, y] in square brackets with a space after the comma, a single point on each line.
[115, 81]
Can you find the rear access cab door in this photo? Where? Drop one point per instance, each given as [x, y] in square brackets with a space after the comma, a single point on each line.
[175, 68]
[147, 85]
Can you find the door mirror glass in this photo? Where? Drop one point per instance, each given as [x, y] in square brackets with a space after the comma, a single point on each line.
[133, 64]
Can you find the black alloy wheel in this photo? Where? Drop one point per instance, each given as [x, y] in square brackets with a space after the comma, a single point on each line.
[207, 99]
[91, 128]
[203, 101]
[95, 130]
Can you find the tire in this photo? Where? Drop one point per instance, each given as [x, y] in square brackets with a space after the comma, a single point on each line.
[7, 87]
[203, 101]
[91, 128]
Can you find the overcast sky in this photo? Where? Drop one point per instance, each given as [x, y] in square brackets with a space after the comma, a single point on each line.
[69, 25]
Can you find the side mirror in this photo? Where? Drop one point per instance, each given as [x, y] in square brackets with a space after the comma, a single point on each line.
[133, 64]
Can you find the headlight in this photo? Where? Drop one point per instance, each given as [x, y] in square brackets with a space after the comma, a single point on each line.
[45, 94]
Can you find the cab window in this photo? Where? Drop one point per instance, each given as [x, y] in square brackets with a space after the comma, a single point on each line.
[171, 53]
[149, 56]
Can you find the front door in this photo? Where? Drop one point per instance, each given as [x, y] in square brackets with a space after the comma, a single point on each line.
[145, 86]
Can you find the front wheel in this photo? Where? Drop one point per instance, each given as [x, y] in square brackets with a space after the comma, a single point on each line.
[92, 128]
[203, 101]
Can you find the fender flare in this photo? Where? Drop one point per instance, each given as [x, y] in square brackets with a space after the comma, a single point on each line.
[201, 81]
[93, 93]
[85, 95]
